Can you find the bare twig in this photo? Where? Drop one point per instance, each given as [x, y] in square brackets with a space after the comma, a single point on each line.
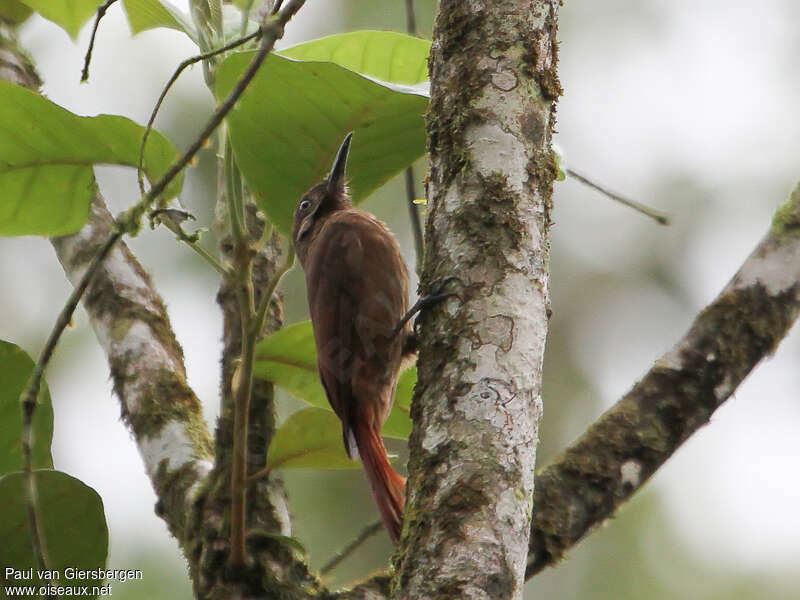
[30, 395]
[660, 217]
[271, 31]
[413, 215]
[186, 63]
[362, 537]
[411, 195]
[101, 12]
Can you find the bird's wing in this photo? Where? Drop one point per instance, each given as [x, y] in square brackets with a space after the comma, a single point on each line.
[335, 265]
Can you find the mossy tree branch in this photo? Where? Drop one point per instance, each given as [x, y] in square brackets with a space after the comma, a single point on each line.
[623, 448]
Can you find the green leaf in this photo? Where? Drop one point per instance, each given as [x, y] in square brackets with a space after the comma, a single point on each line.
[398, 424]
[14, 11]
[152, 14]
[385, 55]
[287, 126]
[46, 158]
[70, 15]
[310, 438]
[288, 358]
[15, 368]
[74, 525]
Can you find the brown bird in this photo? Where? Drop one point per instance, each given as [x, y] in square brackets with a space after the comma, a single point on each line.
[357, 296]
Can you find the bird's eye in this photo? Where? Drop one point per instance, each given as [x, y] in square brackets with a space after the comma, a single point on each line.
[304, 205]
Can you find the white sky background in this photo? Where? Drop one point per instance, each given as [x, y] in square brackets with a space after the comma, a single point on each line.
[711, 91]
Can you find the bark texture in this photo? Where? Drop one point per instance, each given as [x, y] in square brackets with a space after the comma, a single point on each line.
[619, 452]
[477, 403]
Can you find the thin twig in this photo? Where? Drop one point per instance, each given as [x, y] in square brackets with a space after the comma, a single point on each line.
[101, 12]
[271, 31]
[234, 194]
[30, 394]
[660, 217]
[362, 537]
[186, 63]
[411, 194]
[252, 323]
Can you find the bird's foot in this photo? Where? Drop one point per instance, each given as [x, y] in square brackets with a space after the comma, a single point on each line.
[437, 294]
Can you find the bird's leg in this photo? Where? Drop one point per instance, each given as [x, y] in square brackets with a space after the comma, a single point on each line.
[436, 295]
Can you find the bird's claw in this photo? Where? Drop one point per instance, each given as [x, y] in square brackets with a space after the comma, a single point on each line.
[437, 294]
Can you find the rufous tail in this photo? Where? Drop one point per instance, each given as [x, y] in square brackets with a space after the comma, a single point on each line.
[388, 488]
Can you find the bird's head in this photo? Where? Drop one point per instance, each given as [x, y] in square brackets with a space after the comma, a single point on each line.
[321, 201]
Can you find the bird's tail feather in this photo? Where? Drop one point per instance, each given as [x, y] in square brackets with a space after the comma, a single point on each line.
[388, 487]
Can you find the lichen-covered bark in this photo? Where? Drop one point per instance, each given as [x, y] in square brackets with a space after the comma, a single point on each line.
[477, 403]
[617, 454]
[146, 363]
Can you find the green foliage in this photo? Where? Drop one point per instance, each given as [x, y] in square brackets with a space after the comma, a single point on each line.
[70, 15]
[46, 158]
[310, 438]
[288, 358]
[74, 524]
[385, 55]
[14, 11]
[15, 368]
[284, 139]
[152, 14]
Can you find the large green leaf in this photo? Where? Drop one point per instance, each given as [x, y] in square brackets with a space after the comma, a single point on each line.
[74, 526]
[385, 55]
[288, 358]
[14, 11]
[46, 158]
[287, 126]
[310, 438]
[15, 368]
[70, 15]
[151, 14]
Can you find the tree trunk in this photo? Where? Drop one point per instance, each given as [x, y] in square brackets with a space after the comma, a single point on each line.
[478, 403]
